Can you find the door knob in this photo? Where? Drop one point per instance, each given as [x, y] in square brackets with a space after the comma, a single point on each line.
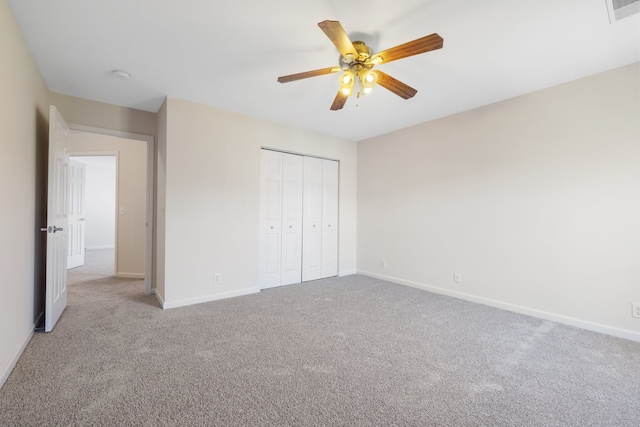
[52, 229]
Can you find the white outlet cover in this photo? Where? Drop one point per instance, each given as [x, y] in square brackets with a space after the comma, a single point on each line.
[635, 309]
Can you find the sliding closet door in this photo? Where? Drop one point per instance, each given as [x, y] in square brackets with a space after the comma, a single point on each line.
[298, 218]
[312, 220]
[329, 218]
[291, 219]
[270, 218]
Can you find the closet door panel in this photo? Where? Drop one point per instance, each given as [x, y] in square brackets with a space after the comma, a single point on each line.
[298, 218]
[271, 165]
[272, 259]
[312, 220]
[292, 219]
[330, 179]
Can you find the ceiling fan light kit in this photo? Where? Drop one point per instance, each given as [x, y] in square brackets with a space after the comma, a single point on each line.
[357, 62]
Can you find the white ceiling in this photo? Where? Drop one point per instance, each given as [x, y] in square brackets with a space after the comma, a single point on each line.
[228, 54]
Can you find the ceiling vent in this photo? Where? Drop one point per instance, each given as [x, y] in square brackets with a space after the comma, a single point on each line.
[620, 9]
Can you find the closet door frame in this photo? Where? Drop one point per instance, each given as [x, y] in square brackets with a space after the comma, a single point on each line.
[316, 243]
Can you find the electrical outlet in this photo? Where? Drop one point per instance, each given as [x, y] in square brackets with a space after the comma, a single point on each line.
[383, 263]
[216, 278]
[635, 309]
[457, 277]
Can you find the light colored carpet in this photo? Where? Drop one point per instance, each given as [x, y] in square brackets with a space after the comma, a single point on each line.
[99, 264]
[351, 351]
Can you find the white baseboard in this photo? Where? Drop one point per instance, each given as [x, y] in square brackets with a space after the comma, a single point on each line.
[207, 298]
[125, 275]
[347, 273]
[160, 299]
[88, 248]
[578, 323]
[6, 371]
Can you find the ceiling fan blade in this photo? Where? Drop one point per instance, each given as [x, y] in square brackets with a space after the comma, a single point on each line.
[307, 74]
[421, 45]
[335, 32]
[339, 101]
[394, 85]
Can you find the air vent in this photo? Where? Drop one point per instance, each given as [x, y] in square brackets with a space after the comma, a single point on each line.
[620, 9]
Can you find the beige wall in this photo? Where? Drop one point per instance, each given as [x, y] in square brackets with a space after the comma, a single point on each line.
[100, 115]
[24, 116]
[131, 195]
[212, 198]
[535, 200]
[161, 186]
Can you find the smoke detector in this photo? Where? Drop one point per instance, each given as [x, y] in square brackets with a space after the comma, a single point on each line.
[120, 75]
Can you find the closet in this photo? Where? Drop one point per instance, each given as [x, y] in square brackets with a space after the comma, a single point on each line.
[298, 218]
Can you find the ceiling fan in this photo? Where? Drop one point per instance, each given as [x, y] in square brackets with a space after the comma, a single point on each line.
[357, 61]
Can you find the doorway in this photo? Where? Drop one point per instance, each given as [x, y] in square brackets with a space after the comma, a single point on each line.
[92, 213]
[132, 205]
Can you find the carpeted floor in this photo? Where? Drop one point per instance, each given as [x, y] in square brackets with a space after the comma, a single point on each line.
[350, 351]
[98, 264]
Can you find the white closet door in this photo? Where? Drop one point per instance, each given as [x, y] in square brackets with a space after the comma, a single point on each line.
[312, 220]
[329, 218]
[291, 219]
[270, 218]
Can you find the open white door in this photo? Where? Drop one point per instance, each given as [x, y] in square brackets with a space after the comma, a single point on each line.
[57, 224]
[76, 218]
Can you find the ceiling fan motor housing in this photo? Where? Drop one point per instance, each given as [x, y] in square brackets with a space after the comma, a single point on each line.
[363, 55]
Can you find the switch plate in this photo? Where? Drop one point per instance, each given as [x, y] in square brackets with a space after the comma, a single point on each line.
[635, 309]
[122, 211]
[457, 277]
[383, 263]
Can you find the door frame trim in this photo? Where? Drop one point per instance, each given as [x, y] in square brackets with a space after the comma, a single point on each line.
[149, 232]
[115, 154]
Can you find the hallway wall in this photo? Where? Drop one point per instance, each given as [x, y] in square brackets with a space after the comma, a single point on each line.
[24, 118]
